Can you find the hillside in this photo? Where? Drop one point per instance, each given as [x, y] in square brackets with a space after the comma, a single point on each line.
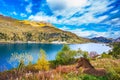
[117, 40]
[12, 30]
[101, 39]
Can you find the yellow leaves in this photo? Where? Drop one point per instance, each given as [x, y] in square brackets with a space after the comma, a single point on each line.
[41, 24]
[35, 24]
[42, 63]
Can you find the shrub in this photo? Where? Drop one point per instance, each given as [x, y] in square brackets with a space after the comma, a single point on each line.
[23, 58]
[72, 76]
[116, 50]
[19, 62]
[21, 66]
[42, 63]
[85, 54]
[104, 55]
[65, 56]
[93, 54]
[112, 73]
[54, 63]
[81, 53]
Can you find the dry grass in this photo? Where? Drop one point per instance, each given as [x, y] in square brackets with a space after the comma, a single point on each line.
[11, 26]
[103, 63]
[69, 72]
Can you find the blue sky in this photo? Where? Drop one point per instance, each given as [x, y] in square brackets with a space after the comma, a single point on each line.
[86, 18]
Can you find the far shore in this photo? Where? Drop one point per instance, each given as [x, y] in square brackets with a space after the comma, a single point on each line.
[53, 42]
[21, 42]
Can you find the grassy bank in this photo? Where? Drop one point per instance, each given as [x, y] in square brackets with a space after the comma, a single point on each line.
[65, 72]
[64, 66]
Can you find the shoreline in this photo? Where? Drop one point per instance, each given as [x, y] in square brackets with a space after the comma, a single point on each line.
[32, 42]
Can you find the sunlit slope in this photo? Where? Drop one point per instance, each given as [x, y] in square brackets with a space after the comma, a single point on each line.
[12, 30]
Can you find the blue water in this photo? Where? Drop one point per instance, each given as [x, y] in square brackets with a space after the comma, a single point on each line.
[33, 49]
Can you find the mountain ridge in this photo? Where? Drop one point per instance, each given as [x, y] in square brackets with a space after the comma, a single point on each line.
[13, 30]
[102, 39]
[117, 39]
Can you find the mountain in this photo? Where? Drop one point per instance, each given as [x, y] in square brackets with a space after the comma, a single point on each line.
[102, 39]
[12, 30]
[117, 40]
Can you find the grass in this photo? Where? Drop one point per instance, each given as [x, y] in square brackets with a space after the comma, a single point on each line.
[112, 67]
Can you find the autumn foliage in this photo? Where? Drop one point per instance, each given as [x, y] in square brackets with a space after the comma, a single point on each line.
[42, 63]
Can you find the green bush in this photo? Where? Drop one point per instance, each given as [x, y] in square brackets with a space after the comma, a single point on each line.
[72, 76]
[54, 64]
[116, 50]
[66, 56]
[105, 55]
[81, 53]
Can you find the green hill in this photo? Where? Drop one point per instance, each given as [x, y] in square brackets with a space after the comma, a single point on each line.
[12, 30]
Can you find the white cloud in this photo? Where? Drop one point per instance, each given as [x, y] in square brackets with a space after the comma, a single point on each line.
[113, 34]
[42, 17]
[92, 33]
[23, 15]
[113, 12]
[76, 3]
[26, 0]
[28, 7]
[89, 34]
[70, 7]
[67, 3]
[14, 13]
[114, 22]
[86, 33]
[64, 28]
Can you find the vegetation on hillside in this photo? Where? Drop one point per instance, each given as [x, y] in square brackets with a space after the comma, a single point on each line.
[12, 30]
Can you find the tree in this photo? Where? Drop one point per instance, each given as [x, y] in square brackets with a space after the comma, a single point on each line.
[81, 53]
[93, 54]
[20, 60]
[116, 50]
[85, 54]
[3, 36]
[105, 55]
[42, 63]
[66, 56]
[28, 36]
[15, 37]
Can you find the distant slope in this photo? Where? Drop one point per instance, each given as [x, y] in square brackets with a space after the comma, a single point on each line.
[101, 39]
[12, 30]
[117, 40]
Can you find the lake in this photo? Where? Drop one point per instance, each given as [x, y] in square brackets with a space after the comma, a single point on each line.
[6, 50]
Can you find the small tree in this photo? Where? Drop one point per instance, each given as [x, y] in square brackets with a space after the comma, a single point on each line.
[65, 56]
[42, 63]
[116, 50]
[81, 53]
[20, 61]
[21, 66]
[85, 54]
[105, 55]
[93, 54]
